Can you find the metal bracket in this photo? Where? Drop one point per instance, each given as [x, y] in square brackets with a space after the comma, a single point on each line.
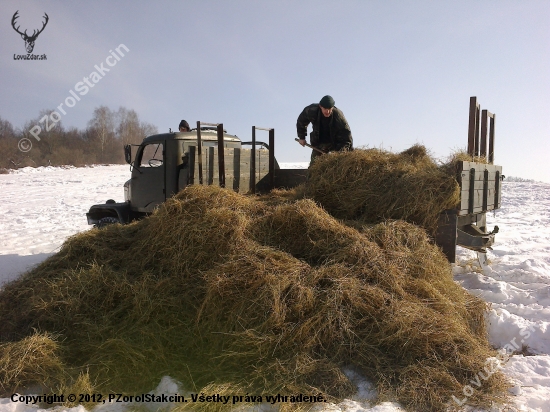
[472, 237]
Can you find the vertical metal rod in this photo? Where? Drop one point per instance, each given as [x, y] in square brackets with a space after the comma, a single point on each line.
[199, 150]
[471, 190]
[485, 189]
[476, 140]
[271, 158]
[191, 174]
[497, 190]
[483, 142]
[221, 158]
[492, 140]
[253, 162]
[236, 169]
[472, 125]
[210, 165]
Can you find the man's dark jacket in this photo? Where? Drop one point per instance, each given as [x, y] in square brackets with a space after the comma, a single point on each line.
[340, 133]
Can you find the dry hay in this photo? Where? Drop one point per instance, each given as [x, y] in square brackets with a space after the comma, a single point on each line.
[225, 292]
[374, 185]
[450, 166]
[34, 359]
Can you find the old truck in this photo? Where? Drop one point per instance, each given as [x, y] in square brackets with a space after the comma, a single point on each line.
[163, 164]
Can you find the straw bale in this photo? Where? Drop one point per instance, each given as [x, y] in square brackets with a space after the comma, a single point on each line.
[221, 290]
[373, 185]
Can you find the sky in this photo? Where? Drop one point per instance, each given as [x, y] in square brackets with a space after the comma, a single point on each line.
[402, 71]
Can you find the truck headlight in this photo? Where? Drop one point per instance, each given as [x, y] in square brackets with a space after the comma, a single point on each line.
[127, 191]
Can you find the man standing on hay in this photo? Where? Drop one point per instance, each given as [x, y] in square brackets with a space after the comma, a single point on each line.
[331, 131]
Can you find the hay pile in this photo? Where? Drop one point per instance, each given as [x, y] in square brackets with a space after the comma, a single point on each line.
[372, 185]
[450, 166]
[234, 294]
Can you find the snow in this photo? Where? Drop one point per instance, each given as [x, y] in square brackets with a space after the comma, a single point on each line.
[42, 207]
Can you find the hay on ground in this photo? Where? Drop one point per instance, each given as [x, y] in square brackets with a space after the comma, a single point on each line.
[33, 360]
[220, 290]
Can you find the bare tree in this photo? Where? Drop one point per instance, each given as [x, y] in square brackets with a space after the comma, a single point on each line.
[103, 129]
[128, 126]
[147, 129]
[130, 129]
[6, 129]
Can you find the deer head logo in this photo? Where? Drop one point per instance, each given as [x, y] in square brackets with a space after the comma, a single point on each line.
[29, 40]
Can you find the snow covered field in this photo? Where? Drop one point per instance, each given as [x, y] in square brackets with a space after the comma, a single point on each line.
[42, 207]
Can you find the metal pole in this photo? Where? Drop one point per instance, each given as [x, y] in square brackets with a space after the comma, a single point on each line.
[221, 158]
[476, 142]
[210, 165]
[271, 158]
[483, 142]
[199, 150]
[472, 125]
[253, 162]
[492, 139]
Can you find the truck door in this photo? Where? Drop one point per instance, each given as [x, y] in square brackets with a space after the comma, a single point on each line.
[147, 186]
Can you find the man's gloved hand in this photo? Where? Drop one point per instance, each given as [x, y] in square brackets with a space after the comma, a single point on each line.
[302, 141]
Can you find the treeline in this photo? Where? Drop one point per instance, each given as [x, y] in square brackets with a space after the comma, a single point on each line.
[518, 179]
[100, 143]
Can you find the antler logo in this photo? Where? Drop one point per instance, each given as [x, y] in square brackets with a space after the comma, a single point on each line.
[29, 40]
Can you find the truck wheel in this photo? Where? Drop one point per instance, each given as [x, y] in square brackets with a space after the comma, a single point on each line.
[105, 221]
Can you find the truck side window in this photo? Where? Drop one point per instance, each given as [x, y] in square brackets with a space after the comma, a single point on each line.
[152, 155]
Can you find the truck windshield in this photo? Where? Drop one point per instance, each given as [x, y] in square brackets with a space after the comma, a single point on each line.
[152, 155]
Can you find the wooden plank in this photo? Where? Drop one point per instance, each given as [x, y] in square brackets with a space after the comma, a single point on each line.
[483, 137]
[234, 166]
[465, 211]
[473, 125]
[478, 209]
[478, 196]
[478, 177]
[264, 166]
[466, 166]
[474, 165]
[477, 188]
[477, 199]
[478, 184]
[492, 139]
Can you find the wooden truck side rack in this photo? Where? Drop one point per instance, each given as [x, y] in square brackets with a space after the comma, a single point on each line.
[480, 192]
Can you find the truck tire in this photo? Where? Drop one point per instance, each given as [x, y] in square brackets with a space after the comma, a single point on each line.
[105, 221]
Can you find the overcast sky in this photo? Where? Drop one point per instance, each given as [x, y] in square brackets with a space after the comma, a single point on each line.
[401, 71]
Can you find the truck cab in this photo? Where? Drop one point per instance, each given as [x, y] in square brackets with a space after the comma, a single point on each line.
[164, 164]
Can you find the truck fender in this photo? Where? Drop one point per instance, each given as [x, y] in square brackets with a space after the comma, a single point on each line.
[121, 211]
